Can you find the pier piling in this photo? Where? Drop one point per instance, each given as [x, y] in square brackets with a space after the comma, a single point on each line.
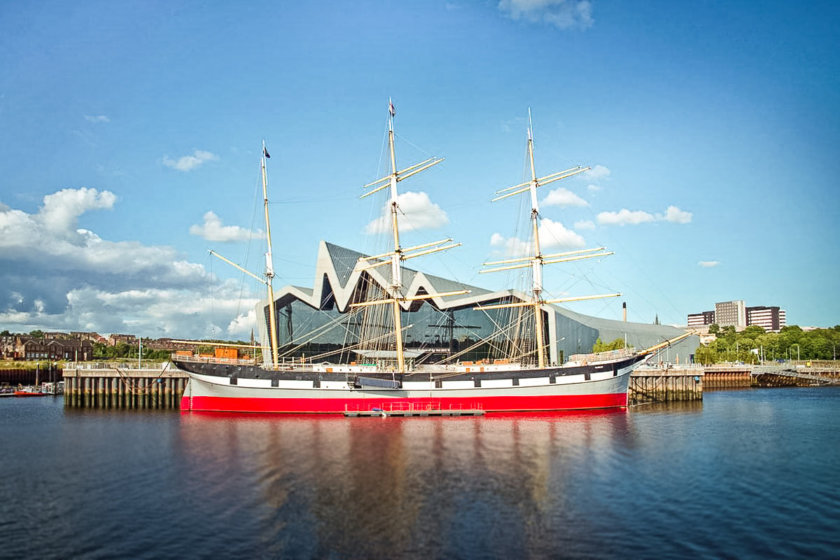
[103, 387]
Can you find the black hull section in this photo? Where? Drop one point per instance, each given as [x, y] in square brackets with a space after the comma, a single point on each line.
[237, 371]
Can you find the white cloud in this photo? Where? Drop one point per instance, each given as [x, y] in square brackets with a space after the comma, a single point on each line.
[213, 230]
[512, 247]
[585, 224]
[597, 173]
[677, 216]
[563, 197]
[635, 217]
[563, 14]
[552, 235]
[708, 264]
[97, 118]
[624, 217]
[593, 188]
[61, 210]
[417, 211]
[188, 163]
[56, 276]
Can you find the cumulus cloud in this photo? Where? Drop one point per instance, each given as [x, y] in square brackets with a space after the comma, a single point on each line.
[56, 276]
[585, 224]
[417, 211]
[677, 216]
[708, 264]
[563, 197]
[563, 14]
[61, 210]
[213, 230]
[626, 217]
[97, 118]
[553, 235]
[188, 163]
[597, 173]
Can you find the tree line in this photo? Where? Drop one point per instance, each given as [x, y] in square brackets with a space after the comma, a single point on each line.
[753, 344]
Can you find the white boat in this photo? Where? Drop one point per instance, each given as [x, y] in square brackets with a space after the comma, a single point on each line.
[391, 380]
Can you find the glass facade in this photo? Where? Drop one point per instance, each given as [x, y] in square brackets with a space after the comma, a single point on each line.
[465, 334]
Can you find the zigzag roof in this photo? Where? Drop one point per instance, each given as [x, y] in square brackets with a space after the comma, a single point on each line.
[338, 272]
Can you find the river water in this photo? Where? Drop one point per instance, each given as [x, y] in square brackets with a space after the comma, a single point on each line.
[744, 474]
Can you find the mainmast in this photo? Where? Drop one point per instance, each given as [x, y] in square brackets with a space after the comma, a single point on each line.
[399, 254]
[537, 259]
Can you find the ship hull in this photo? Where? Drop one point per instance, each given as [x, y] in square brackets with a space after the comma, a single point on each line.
[596, 386]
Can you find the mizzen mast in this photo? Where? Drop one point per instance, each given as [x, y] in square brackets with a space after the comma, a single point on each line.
[399, 254]
[268, 275]
[537, 259]
[269, 264]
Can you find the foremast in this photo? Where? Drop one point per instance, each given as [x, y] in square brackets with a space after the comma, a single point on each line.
[399, 254]
[537, 259]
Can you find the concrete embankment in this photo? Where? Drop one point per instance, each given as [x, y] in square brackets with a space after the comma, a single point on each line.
[121, 387]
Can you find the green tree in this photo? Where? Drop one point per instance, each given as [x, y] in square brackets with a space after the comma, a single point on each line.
[601, 346]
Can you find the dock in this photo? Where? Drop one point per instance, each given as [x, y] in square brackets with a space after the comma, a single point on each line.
[666, 383]
[119, 386]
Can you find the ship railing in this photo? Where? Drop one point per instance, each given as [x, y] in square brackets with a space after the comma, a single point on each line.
[114, 364]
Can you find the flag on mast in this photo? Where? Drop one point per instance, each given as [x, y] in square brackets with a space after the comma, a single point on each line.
[265, 153]
[391, 108]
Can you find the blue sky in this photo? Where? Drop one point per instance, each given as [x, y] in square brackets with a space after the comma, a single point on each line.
[131, 134]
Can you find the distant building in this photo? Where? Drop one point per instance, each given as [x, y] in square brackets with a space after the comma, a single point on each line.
[771, 319]
[31, 348]
[91, 336]
[731, 313]
[736, 314]
[7, 346]
[701, 319]
[115, 339]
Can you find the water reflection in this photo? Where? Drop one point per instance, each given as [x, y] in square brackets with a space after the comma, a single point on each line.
[443, 486]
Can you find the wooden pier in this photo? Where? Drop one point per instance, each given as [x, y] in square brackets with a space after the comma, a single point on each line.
[726, 376]
[116, 386]
[666, 384]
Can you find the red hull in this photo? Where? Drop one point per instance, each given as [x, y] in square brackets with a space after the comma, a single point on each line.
[28, 394]
[339, 406]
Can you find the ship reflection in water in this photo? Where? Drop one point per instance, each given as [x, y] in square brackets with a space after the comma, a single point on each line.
[440, 487]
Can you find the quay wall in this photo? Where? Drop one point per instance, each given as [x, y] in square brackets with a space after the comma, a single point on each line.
[29, 375]
[666, 384]
[118, 387]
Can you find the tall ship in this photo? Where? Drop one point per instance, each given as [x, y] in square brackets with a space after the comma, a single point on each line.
[390, 372]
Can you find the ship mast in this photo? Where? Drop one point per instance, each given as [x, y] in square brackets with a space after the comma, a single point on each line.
[537, 259]
[268, 275]
[269, 264]
[399, 254]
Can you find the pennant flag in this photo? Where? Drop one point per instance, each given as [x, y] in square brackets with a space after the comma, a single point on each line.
[265, 152]
[391, 108]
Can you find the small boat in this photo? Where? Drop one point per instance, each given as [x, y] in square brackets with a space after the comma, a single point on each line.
[390, 377]
[30, 392]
